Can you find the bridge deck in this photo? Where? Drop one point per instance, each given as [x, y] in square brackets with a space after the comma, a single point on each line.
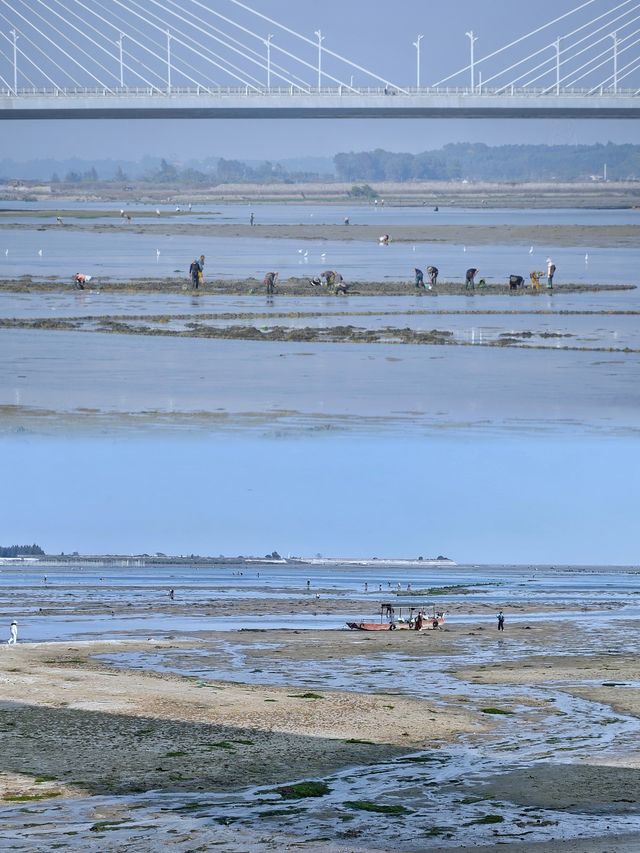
[239, 104]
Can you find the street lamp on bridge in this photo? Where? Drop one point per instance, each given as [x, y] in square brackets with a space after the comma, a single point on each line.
[472, 40]
[119, 43]
[267, 42]
[15, 37]
[318, 33]
[416, 44]
[168, 62]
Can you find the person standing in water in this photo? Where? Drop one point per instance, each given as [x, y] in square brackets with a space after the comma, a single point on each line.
[252, 219]
[433, 275]
[501, 621]
[470, 278]
[194, 272]
[270, 281]
[419, 278]
[13, 633]
[551, 271]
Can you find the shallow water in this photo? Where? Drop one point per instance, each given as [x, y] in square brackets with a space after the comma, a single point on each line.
[292, 213]
[75, 303]
[129, 255]
[610, 594]
[300, 384]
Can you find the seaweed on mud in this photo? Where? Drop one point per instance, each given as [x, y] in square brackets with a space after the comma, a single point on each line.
[302, 790]
[293, 810]
[107, 825]
[26, 798]
[495, 711]
[307, 695]
[359, 740]
[487, 819]
[378, 808]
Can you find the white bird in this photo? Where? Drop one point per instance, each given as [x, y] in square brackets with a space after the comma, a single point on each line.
[177, 210]
[464, 248]
[59, 220]
[413, 248]
[189, 207]
[157, 212]
[121, 212]
[6, 251]
[300, 251]
[306, 253]
[40, 252]
[586, 258]
[157, 253]
[323, 255]
[531, 251]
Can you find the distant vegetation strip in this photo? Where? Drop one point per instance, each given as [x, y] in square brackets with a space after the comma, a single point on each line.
[453, 162]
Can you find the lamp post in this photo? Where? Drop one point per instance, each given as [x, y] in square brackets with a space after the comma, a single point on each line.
[168, 62]
[614, 36]
[119, 43]
[267, 42]
[416, 44]
[320, 40]
[472, 40]
[15, 37]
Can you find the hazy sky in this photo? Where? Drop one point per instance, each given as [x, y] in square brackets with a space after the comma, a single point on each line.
[497, 498]
[378, 37]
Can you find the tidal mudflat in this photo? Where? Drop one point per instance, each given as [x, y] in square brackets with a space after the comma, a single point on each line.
[253, 739]
[243, 715]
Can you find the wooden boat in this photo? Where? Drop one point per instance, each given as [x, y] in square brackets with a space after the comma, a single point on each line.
[419, 620]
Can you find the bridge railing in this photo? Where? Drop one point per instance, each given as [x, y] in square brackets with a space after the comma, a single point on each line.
[342, 91]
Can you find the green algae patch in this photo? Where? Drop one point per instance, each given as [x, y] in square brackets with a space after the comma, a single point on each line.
[27, 798]
[282, 812]
[359, 740]
[487, 819]
[378, 808]
[222, 744]
[107, 825]
[302, 790]
[495, 711]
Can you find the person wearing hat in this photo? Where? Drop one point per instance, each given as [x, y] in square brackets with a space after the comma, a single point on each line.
[551, 271]
[13, 633]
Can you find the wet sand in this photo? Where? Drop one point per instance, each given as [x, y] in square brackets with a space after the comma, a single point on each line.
[222, 736]
[77, 729]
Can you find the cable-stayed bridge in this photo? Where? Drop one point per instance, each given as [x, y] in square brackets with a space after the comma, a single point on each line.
[224, 59]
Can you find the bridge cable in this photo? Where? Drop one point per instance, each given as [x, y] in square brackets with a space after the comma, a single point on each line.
[275, 67]
[566, 36]
[61, 49]
[10, 62]
[213, 62]
[326, 50]
[84, 34]
[277, 47]
[139, 44]
[40, 50]
[130, 68]
[201, 48]
[515, 42]
[575, 55]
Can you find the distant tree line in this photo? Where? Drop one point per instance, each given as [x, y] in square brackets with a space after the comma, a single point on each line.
[479, 162]
[453, 162]
[21, 551]
[225, 172]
